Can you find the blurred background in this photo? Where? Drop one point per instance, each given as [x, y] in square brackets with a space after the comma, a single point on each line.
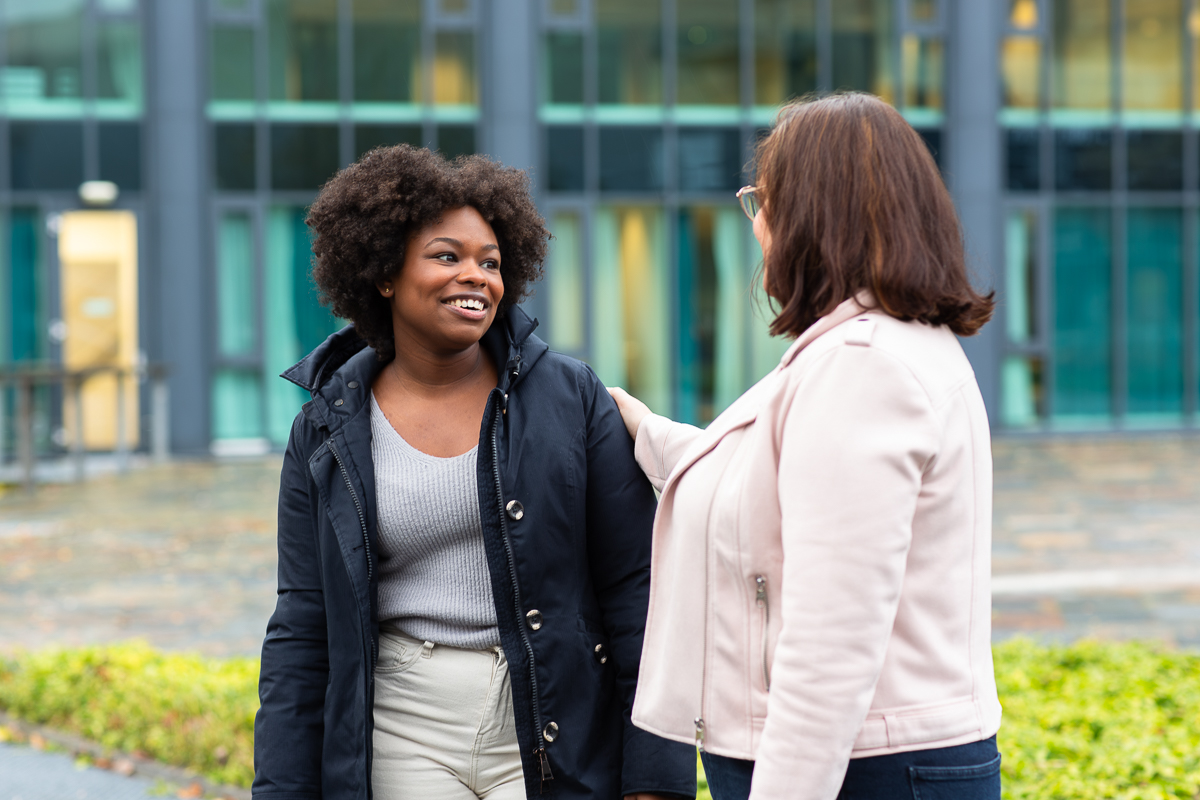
[199, 130]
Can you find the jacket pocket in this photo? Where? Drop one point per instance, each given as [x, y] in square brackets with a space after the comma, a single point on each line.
[973, 782]
[764, 612]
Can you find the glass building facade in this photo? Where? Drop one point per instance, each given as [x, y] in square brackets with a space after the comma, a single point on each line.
[1066, 130]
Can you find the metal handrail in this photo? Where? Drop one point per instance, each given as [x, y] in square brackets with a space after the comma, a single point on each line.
[26, 376]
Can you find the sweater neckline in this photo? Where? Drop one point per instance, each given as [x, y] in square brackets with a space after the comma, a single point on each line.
[379, 419]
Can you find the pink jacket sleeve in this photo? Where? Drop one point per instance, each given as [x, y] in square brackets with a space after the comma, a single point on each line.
[660, 444]
[854, 443]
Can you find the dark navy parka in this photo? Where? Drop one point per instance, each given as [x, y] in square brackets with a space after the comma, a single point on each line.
[567, 518]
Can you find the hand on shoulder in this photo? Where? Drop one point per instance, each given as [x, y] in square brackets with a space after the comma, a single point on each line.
[633, 411]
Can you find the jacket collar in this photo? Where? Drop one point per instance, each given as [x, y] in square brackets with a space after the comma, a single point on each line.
[343, 367]
[847, 310]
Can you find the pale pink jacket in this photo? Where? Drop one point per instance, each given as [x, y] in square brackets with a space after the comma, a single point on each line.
[831, 533]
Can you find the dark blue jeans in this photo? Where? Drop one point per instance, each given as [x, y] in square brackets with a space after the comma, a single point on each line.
[966, 772]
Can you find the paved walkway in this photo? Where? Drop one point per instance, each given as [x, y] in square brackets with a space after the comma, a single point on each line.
[1093, 537]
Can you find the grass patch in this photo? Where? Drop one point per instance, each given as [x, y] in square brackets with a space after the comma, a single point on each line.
[1082, 721]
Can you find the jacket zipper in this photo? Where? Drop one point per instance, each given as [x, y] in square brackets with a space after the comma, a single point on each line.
[760, 598]
[362, 521]
[539, 750]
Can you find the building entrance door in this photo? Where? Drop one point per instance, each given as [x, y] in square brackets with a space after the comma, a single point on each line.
[97, 253]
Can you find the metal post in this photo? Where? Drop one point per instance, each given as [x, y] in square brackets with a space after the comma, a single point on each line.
[122, 433]
[25, 430]
[159, 422]
[75, 384]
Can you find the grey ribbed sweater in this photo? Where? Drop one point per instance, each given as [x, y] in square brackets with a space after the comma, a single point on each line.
[433, 575]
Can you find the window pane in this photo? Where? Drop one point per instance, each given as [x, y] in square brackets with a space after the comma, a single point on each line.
[562, 71]
[933, 141]
[629, 33]
[1021, 66]
[121, 154]
[1020, 247]
[564, 274]
[923, 67]
[710, 160]
[303, 156]
[712, 311]
[454, 70]
[1082, 57]
[119, 60]
[1083, 159]
[785, 50]
[237, 405]
[46, 155]
[708, 52]
[368, 137]
[24, 290]
[294, 321]
[43, 45]
[1155, 160]
[630, 334]
[303, 53]
[1153, 65]
[237, 302]
[922, 10]
[387, 51]
[1082, 309]
[232, 64]
[1155, 307]
[564, 147]
[456, 140]
[235, 161]
[1023, 161]
[631, 159]
[1021, 387]
[862, 47]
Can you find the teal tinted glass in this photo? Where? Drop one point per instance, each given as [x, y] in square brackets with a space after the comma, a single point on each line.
[387, 51]
[629, 35]
[119, 60]
[562, 68]
[43, 50]
[1155, 310]
[1082, 310]
[303, 50]
[237, 405]
[231, 63]
[237, 307]
[863, 31]
[785, 50]
[707, 36]
[24, 290]
[565, 276]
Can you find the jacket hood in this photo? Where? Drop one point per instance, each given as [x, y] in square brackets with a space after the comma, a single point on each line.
[337, 370]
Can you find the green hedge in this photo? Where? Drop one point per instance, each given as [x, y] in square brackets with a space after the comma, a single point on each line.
[1081, 722]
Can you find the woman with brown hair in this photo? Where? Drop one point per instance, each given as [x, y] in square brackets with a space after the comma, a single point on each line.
[820, 608]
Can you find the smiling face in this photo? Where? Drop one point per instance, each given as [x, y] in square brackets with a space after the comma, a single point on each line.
[446, 293]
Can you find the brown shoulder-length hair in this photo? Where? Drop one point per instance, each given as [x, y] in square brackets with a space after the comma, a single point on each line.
[853, 200]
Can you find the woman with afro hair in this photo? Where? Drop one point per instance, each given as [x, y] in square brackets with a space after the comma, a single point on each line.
[464, 534]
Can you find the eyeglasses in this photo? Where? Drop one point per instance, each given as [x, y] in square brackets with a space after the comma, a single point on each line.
[749, 201]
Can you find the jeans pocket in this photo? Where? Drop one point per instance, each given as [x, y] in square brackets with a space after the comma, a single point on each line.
[395, 655]
[971, 782]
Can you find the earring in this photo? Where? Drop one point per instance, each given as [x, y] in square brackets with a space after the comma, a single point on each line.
[387, 291]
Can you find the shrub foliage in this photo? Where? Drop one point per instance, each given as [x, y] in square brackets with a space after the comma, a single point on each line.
[1081, 721]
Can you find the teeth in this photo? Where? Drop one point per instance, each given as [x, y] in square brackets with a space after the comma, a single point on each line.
[476, 305]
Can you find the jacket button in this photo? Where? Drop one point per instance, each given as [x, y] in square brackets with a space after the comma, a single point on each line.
[550, 732]
[534, 618]
[338, 402]
[515, 509]
[353, 384]
[601, 656]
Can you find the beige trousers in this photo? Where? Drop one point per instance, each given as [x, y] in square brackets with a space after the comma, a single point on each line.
[444, 726]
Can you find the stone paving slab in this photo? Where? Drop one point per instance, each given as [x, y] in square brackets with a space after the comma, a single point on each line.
[28, 774]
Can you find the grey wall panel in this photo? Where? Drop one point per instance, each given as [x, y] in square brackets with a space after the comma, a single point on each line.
[972, 167]
[179, 255]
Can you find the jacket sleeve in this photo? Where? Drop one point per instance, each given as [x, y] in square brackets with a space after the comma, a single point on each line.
[660, 443]
[620, 519]
[289, 727]
[854, 444]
